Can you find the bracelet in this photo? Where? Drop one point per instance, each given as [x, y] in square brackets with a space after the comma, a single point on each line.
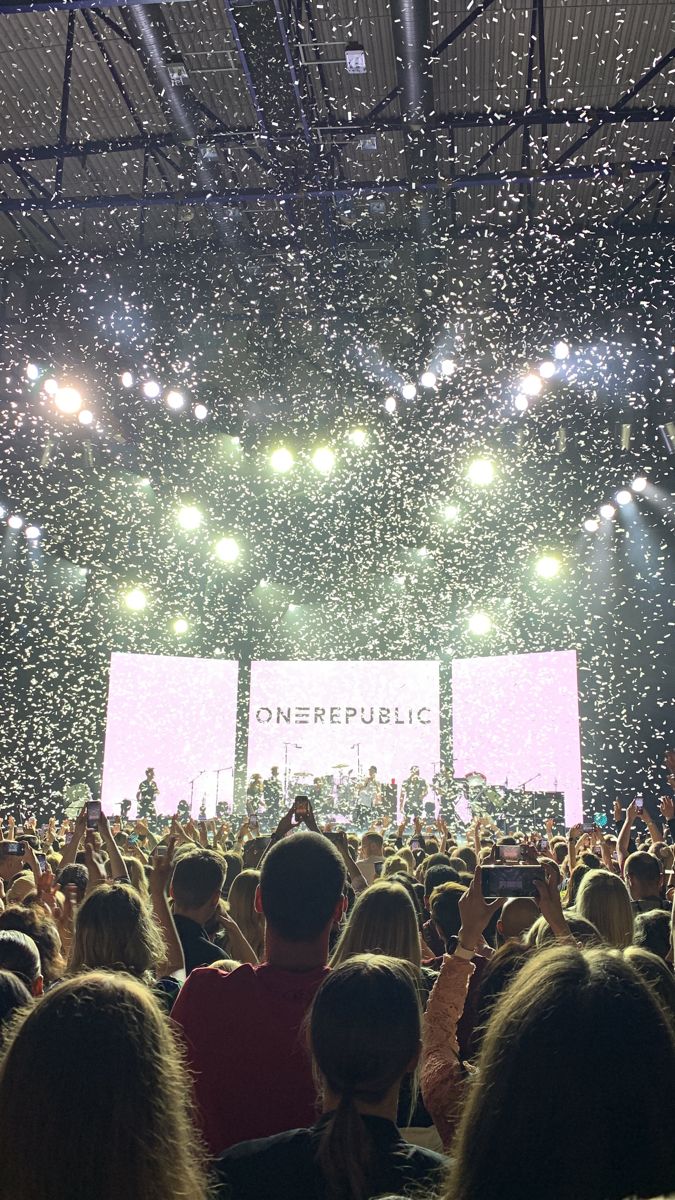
[463, 953]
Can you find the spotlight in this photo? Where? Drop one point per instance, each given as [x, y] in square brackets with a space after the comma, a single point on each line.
[548, 566]
[390, 404]
[136, 600]
[227, 550]
[281, 460]
[201, 412]
[3, 512]
[189, 516]
[531, 385]
[68, 400]
[292, 608]
[448, 366]
[50, 386]
[151, 389]
[623, 497]
[521, 403]
[33, 533]
[423, 552]
[323, 459]
[263, 583]
[624, 433]
[591, 525]
[32, 372]
[639, 484]
[15, 521]
[175, 400]
[667, 432]
[85, 416]
[358, 437]
[479, 624]
[127, 379]
[451, 512]
[428, 379]
[561, 350]
[180, 625]
[547, 369]
[481, 472]
[607, 511]
[408, 391]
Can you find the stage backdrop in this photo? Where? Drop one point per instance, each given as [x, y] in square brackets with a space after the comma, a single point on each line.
[177, 715]
[325, 710]
[517, 716]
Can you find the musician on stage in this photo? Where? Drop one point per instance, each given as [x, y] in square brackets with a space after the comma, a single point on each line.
[443, 784]
[414, 789]
[254, 796]
[273, 795]
[369, 798]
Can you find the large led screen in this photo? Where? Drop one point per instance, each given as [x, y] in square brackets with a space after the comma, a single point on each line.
[329, 718]
[177, 715]
[515, 718]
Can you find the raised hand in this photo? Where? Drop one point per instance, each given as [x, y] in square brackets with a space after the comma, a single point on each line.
[475, 912]
[667, 808]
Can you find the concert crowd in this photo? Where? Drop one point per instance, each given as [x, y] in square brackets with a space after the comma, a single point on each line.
[230, 1010]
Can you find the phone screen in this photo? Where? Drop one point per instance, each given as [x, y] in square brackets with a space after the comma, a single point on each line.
[509, 854]
[543, 843]
[587, 827]
[254, 824]
[42, 861]
[415, 844]
[510, 881]
[301, 807]
[14, 849]
[93, 813]
[639, 803]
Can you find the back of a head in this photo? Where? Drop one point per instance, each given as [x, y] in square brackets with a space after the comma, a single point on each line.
[14, 995]
[438, 874]
[657, 975]
[518, 914]
[498, 974]
[372, 844]
[568, 1007]
[445, 908]
[115, 931]
[301, 881]
[583, 931]
[43, 931]
[383, 921]
[77, 874]
[398, 864]
[197, 876]
[233, 866]
[652, 932]
[20, 955]
[99, 1035]
[468, 857]
[646, 869]
[604, 900]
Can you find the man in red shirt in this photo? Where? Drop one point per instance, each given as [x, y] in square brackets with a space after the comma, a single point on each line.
[245, 1045]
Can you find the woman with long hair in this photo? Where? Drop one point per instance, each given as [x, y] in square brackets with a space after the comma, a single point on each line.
[604, 900]
[364, 1035]
[568, 1007]
[383, 921]
[94, 1099]
[241, 904]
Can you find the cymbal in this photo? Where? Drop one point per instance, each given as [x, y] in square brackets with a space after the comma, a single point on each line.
[303, 774]
[339, 766]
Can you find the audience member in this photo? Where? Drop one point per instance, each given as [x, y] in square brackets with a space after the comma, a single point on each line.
[20, 955]
[604, 901]
[196, 885]
[644, 877]
[14, 995]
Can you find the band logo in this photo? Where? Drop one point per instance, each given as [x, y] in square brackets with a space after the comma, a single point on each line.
[339, 715]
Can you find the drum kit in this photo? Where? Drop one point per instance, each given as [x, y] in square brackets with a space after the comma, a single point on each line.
[334, 796]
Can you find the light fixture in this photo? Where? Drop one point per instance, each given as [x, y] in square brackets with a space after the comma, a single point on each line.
[548, 566]
[136, 599]
[3, 512]
[68, 400]
[151, 389]
[263, 583]
[227, 550]
[355, 59]
[189, 516]
[591, 525]
[451, 512]
[32, 372]
[175, 400]
[33, 533]
[623, 497]
[281, 460]
[561, 350]
[408, 391]
[323, 460]
[127, 379]
[85, 416]
[607, 511]
[358, 437]
[428, 379]
[292, 608]
[531, 385]
[481, 472]
[480, 624]
[180, 625]
[521, 403]
[667, 432]
[50, 386]
[15, 521]
[201, 412]
[448, 366]
[639, 484]
[390, 404]
[547, 369]
[423, 552]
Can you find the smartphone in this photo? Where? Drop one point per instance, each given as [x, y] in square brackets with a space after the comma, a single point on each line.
[543, 843]
[93, 813]
[301, 807]
[509, 854]
[415, 844]
[42, 862]
[253, 851]
[335, 837]
[587, 827]
[377, 867]
[12, 849]
[639, 803]
[159, 851]
[511, 880]
[254, 823]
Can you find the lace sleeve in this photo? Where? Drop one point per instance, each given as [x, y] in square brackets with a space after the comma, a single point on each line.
[442, 1077]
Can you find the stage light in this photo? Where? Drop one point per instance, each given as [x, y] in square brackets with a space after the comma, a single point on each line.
[189, 516]
[639, 484]
[292, 608]
[3, 512]
[358, 437]
[561, 350]
[548, 566]
[451, 512]
[547, 369]
[151, 389]
[423, 552]
[180, 625]
[175, 400]
[127, 379]
[15, 521]
[408, 391]
[85, 417]
[227, 550]
[50, 386]
[667, 432]
[607, 511]
[144, 483]
[428, 379]
[201, 412]
[399, 580]
[323, 460]
[68, 400]
[521, 403]
[263, 583]
[33, 533]
[32, 372]
[281, 460]
[479, 624]
[623, 497]
[448, 366]
[136, 600]
[390, 404]
[591, 525]
[531, 385]
[481, 472]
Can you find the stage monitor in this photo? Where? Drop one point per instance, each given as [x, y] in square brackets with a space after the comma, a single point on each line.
[177, 715]
[515, 718]
[339, 718]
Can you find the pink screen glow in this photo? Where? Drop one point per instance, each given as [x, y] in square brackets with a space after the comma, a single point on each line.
[390, 708]
[517, 715]
[177, 715]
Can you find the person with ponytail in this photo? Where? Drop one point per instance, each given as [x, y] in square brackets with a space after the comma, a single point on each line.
[364, 1030]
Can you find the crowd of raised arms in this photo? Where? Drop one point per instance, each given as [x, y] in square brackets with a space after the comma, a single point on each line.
[191, 1012]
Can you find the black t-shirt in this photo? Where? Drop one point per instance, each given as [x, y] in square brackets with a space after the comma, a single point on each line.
[199, 951]
[284, 1167]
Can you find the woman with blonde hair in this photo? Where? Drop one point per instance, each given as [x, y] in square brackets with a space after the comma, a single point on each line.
[241, 904]
[383, 921]
[94, 1099]
[603, 900]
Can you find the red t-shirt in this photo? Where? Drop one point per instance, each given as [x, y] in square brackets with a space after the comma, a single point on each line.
[253, 1074]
